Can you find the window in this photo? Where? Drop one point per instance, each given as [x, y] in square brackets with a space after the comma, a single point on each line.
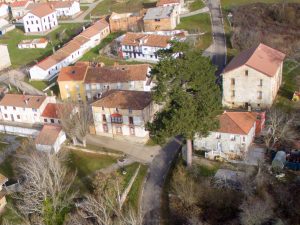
[232, 138]
[37, 22]
[52, 120]
[244, 138]
[5, 107]
[233, 93]
[259, 94]
[260, 82]
[130, 120]
[232, 81]
[34, 110]
[102, 108]
[45, 120]
[5, 115]
[130, 111]
[218, 136]
[116, 119]
[103, 118]
[246, 72]
[27, 22]
[117, 110]
[87, 86]
[14, 108]
[18, 117]
[31, 22]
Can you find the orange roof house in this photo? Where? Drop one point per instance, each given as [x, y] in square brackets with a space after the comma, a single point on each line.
[152, 40]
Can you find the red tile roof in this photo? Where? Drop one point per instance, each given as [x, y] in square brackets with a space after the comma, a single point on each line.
[48, 135]
[95, 29]
[261, 58]
[51, 110]
[135, 100]
[165, 2]
[72, 73]
[236, 122]
[141, 39]
[18, 4]
[42, 10]
[24, 101]
[61, 4]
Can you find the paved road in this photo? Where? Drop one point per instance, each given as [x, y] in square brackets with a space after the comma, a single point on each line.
[152, 192]
[219, 44]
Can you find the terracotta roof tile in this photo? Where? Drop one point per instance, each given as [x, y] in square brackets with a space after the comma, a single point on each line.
[18, 4]
[115, 74]
[51, 110]
[135, 100]
[261, 58]
[48, 135]
[61, 4]
[72, 73]
[164, 2]
[41, 10]
[70, 47]
[24, 101]
[81, 39]
[141, 39]
[236, 122]
[52, 60]
[95, 29]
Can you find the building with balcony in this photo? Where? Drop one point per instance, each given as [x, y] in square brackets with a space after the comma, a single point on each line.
[123, 114]
[253, 78]
[234, 136]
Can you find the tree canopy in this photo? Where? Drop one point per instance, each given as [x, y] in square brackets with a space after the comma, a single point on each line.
[187, 91]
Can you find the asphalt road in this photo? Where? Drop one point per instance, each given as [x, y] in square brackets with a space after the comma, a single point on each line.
[152, 192]
[219, 38]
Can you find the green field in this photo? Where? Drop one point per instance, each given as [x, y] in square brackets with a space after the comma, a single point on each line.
[22, 57]
[197, 4]
[198, 24]
[108, 6]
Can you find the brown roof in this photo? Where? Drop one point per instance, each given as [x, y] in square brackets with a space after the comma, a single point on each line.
[236, 122]
[52, 60]
[164, 2]
[24, 101]
[70, 47]
[18, 4]
[3, 179]
[51, 110]
[261, 58]
[115, 74]
[48, 135]
[153, 40]
[95, 29]
[136, 100]
[42, 10]
[61, 4]
[81, 39]
[72, 73]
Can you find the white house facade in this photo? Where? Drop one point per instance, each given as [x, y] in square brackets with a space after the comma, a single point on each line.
[23, 108]
[3, 10]
[40, 19]
[253, 78]
[66, 8]
[232, 139]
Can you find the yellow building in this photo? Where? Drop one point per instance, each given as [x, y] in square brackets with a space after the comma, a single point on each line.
[71, 82]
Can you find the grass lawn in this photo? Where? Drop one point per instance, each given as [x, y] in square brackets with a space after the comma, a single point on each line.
[21, 57]
[291, 82]
[108, 6]
[83, 7]
[86, 164]
[195, 24]
[197, 4]
[227, 4]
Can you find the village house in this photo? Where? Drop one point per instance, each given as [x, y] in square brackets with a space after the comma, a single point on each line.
[40, 19]
[51, 112]
[4, 56]
[3, 10]
[66, 8]
[125, 22]
[123, 114]
[5, 26]
[33, 43]
[253, 78]
[3, 202]
[88, 82]
[19, 8]
[234, 136]
[178, 3]
[161, 18]
[143, 46]
[48, 68]
[24, 108]
[50, 139]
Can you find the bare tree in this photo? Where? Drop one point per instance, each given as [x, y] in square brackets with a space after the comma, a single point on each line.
[46, 190]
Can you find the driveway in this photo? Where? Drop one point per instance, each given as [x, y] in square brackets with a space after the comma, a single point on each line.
[153, 187]
[218, 48]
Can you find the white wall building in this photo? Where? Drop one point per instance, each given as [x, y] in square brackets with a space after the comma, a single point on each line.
[33, 43]
[3, 9]
[4, 56]
[40, 19]
[232, 139]
[143, 46]
[253, 78]
[24, 108]
[50, 139]
[71, 52]
[19, 8]
[66, 8]
[123, 114]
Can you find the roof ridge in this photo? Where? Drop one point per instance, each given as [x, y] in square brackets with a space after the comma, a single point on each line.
[235, 122]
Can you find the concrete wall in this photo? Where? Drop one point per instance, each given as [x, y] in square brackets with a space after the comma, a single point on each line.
[247, 87]
[4, 57]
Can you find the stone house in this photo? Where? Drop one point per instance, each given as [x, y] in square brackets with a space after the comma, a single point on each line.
[253, 78]
[123, 114]
[125, 22]
[161, 18]
[234, 136]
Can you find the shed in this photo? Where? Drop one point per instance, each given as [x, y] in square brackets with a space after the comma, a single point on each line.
[279, 160]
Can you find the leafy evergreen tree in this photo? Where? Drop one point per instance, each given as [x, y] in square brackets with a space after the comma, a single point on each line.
[187, 90]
